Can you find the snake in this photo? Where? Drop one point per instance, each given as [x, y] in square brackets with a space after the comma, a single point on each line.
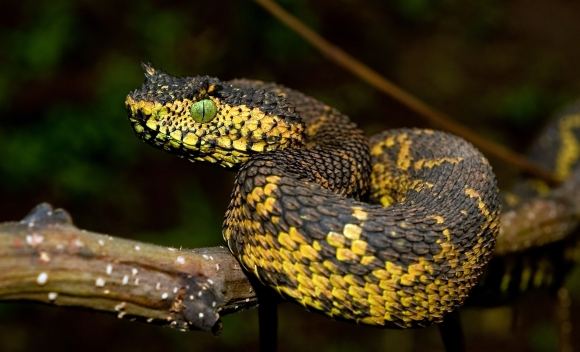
[390, 231]
[539, 239]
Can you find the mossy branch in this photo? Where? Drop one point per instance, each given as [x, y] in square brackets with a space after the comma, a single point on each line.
[46, 258]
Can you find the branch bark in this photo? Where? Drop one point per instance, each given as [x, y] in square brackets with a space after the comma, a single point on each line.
[45, 258]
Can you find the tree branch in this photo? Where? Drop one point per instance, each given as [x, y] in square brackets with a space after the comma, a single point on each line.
[46, 258]
[541, 220]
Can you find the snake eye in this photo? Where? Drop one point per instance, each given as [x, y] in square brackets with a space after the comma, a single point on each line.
[203, 111]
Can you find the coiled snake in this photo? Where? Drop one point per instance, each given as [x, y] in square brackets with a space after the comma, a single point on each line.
[538, 243]
[393, 231]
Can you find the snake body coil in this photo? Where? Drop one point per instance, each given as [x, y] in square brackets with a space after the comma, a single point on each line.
[539, 243]
[393, 232]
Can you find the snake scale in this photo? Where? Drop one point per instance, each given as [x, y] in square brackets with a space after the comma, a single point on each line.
[391, 231]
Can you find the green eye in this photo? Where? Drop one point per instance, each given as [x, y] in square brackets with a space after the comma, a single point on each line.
[203, 111]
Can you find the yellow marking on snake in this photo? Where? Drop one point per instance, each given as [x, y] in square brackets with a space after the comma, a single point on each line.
[286, 241]
[539, 275]
[438, 219]
[359, 247]
[384, 183]
[386, 143]
[525, 277]
[540, 187]
[352, 231]
[335, 239]
[480, 203]
[345, 254]
[571, 151]
[359, 214]
[431, 163]
[507, 277]
[404, 157]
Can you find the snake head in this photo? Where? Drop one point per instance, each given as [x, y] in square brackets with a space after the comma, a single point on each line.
[202, 118]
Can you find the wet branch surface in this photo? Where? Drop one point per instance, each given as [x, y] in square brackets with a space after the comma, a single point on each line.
[45, 258]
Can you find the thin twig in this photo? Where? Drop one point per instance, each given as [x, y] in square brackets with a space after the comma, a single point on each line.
[372, 77]
[45, 258]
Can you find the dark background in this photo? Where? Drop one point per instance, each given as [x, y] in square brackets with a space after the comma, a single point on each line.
[501, 67]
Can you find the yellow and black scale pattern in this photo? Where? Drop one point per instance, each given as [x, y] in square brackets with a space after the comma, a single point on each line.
[539, 239]
[390, 232]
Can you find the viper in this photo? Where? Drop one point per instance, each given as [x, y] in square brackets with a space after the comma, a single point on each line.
[391, 231]
[538, 242]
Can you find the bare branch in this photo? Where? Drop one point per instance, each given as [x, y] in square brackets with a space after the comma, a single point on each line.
[541, 220]
[46, 258]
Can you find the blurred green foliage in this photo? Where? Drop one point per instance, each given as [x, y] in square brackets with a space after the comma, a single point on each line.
[66, 66]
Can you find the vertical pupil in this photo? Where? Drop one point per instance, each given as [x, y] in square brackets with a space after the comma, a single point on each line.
[203, 110]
